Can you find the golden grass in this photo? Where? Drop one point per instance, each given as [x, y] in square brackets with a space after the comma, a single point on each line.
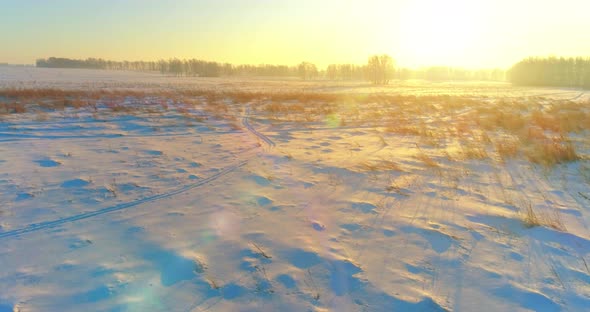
[545, 121]
[403, 129]
[12, 108]
[552, 151]
[531, 218]
[507, 148]
[537, 127]
[474, 151]
[382, 165]
[427, 160]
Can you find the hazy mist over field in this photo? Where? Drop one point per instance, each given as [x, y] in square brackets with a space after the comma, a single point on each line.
[294, 155]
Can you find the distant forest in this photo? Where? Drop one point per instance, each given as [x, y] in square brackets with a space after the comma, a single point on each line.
[380, 69]
[551, 71]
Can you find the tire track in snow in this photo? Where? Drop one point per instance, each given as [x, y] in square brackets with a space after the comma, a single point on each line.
[15, 137]
[577, 96]
[251, 129]
[51, 224]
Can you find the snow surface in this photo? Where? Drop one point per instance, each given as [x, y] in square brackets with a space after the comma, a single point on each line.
[33, 77]
[157, 212]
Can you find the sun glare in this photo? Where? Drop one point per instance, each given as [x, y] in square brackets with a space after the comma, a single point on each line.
[441, 31]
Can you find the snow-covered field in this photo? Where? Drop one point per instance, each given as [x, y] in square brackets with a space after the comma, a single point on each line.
[200, 204]
[32, 77]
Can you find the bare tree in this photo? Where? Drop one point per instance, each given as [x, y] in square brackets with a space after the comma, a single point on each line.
[387, 68]
[380, 69]
[307, 70]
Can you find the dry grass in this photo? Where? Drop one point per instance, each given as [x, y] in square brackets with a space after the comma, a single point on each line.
[531, 218]
[235, 126]
[507, 148]
[427, 160]
[532, 135]
[540, 127]
[495, 118]
[554, 221]
[189, 116]
[545, 121]
[13, 108]
[403, 128]
[382, 165]
[474, 151]
[297, 111]
[552, 151]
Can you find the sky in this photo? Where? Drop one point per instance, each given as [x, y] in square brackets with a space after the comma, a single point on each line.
[416, 33]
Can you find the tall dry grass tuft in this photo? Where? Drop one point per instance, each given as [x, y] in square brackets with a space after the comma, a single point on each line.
[383, 165]
[507, 148]
[13, 108]
[553, 151]
[529, 217]
[427, 160]
[545, 121]
[473, 151]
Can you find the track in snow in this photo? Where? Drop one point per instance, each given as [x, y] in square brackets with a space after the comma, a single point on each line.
[251, 129]
[12, 137]
[51, 224]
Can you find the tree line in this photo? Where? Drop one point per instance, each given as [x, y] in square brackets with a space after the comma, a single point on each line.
[379, 69]
[551, 71]
[174, 67]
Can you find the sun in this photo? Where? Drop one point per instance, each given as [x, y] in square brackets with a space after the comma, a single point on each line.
[441, 32]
